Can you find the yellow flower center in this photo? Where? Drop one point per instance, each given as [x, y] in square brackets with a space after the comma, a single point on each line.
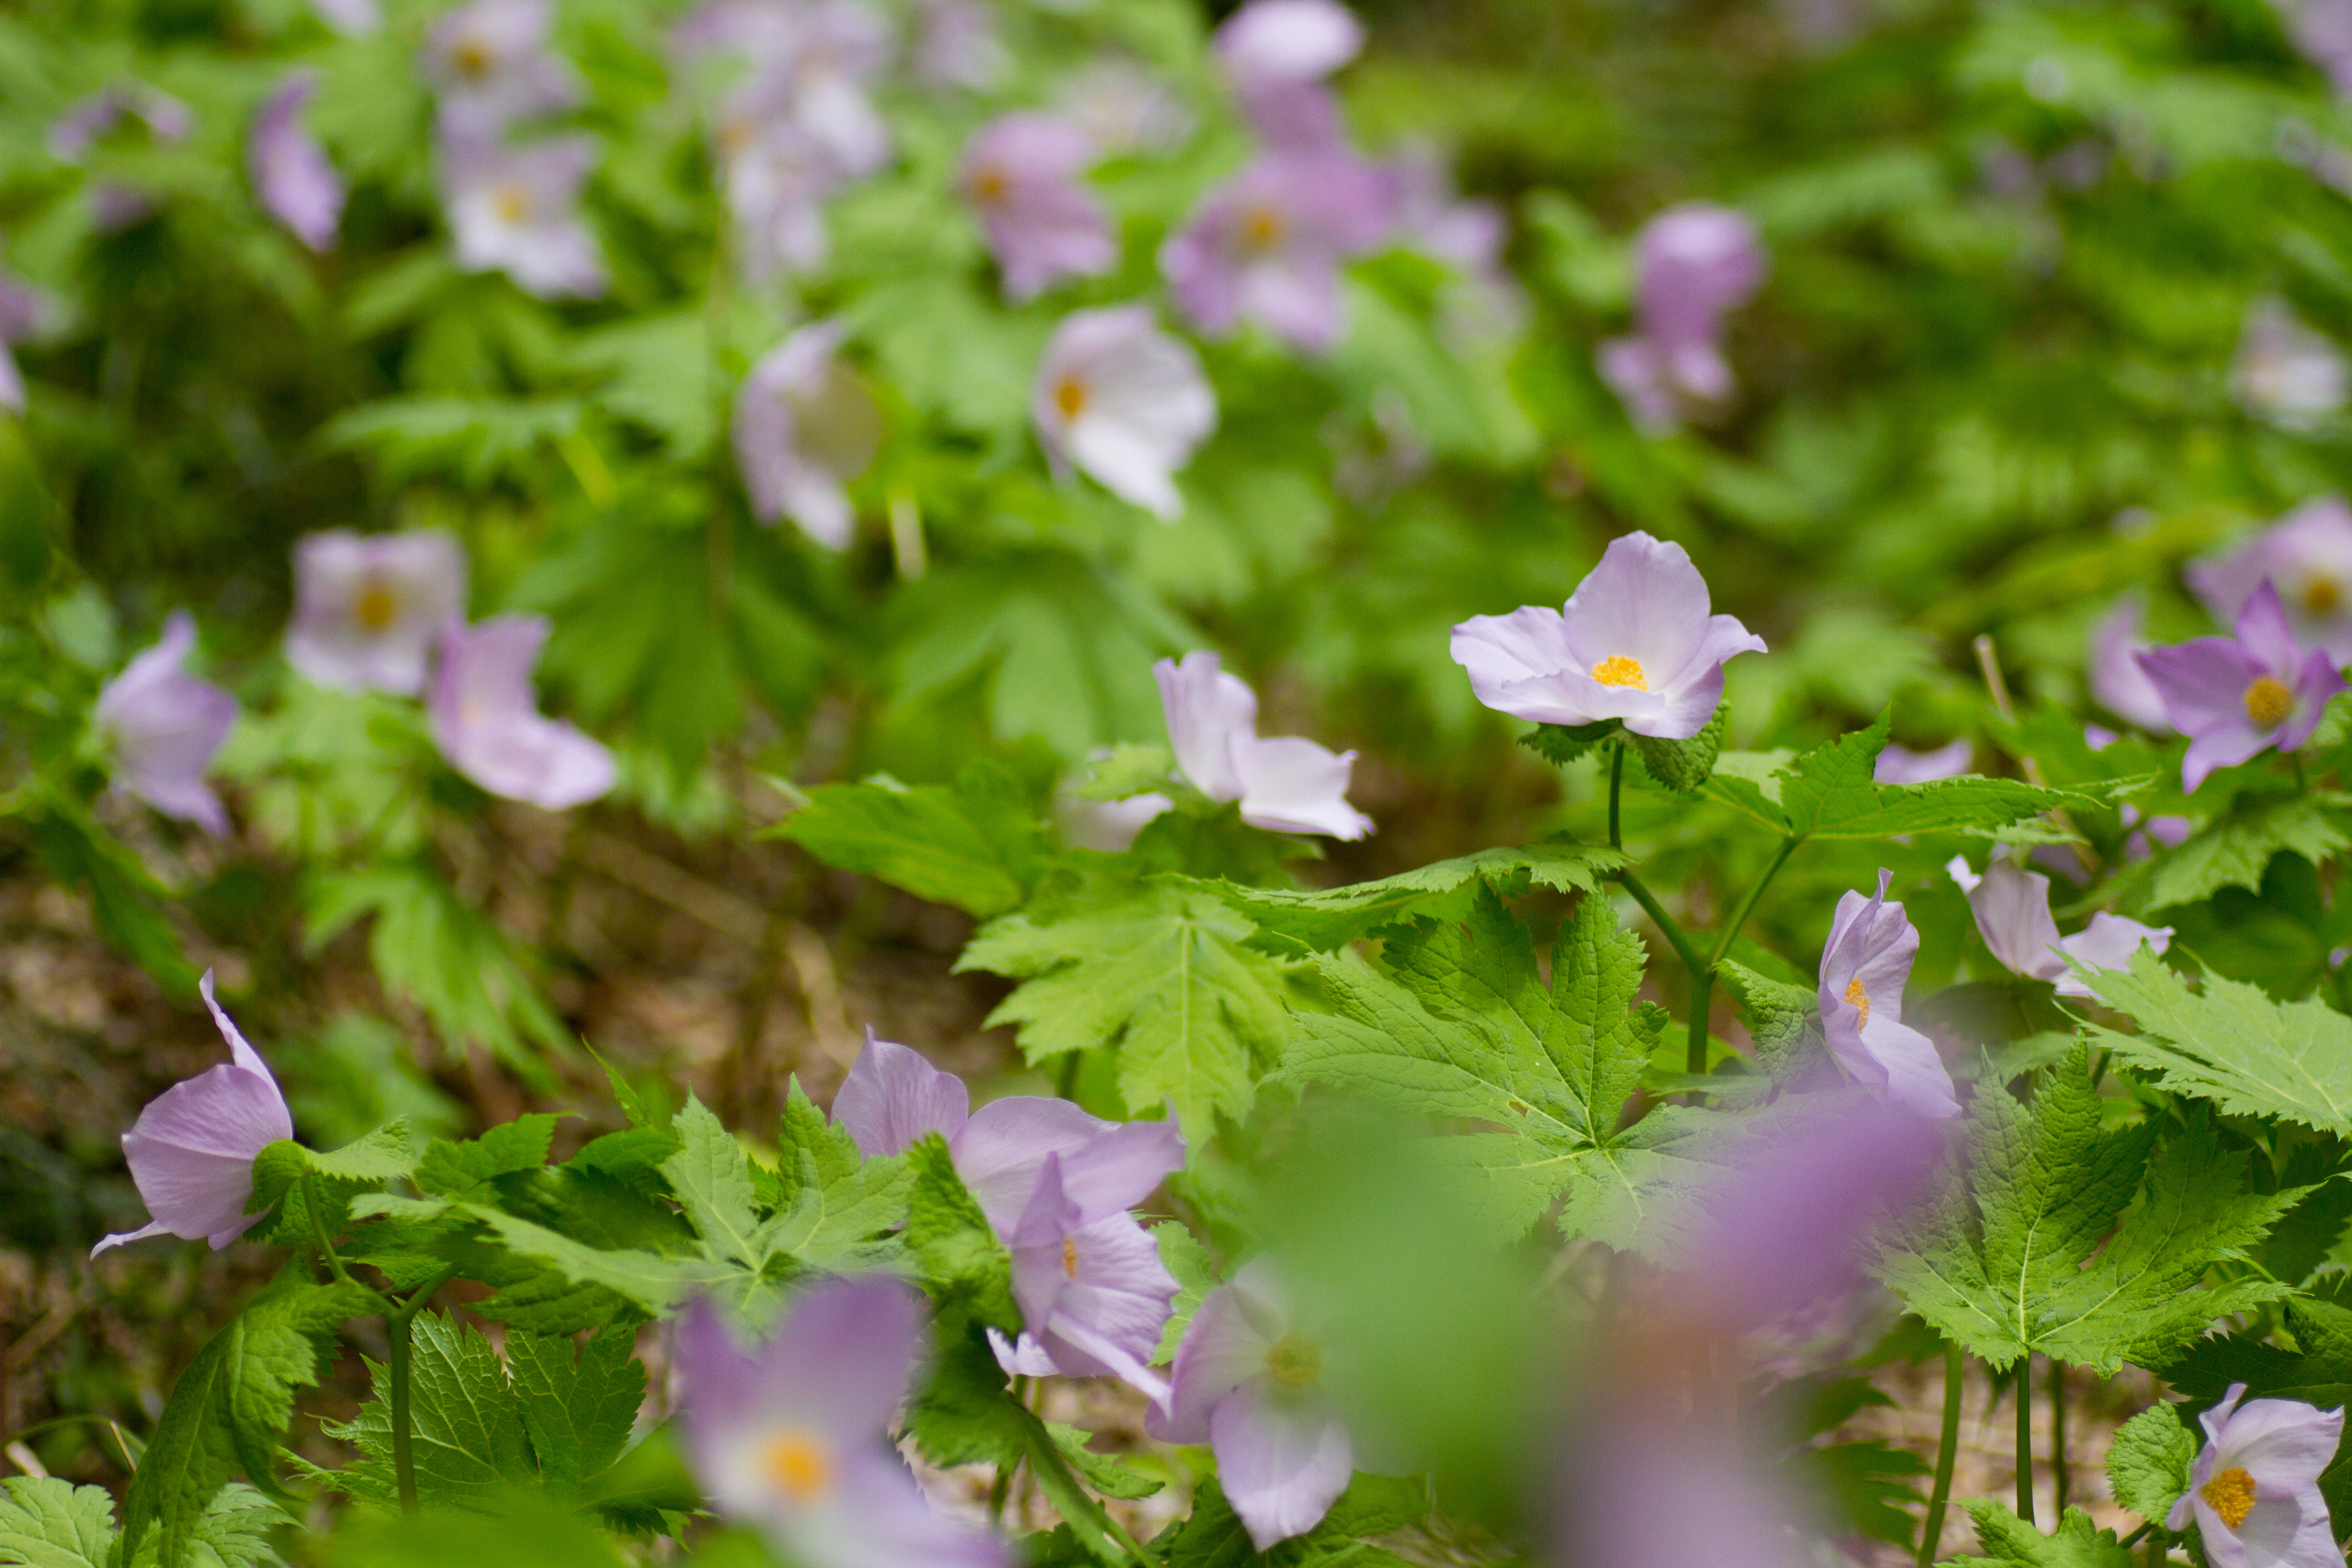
[512, 203]
[2268, 703]
[989, 185]
[1069, 1258]
[473, 58]
[1070, 397]
[375, 608]
[1858, 999]
[2232, 1495]
[1617, 669]
[734, 133]
[1293, 1362]
[798, 1464]
[2321, 595]
[1262, 228]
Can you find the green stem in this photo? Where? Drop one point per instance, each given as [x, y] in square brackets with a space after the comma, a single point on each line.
[1043, 1455]
[2058, 1436]
[1665, 923]
[1702, 1001]
[2025, 1439]
[2128, 1542]
[319, 1231]
[1616, 783]
[1931, 1535]
[1747, 901]
[403, 1440]
[1066, 1082]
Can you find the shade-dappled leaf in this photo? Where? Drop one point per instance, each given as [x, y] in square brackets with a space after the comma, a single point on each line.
[1331, 919]
[455, 1170]
[2229, 1044]
[1101, 1471]
[1456, 1022]
[1869, 1484]
[1829, 792]
[2019, 1256]
[1159, 973]
[976, 847]
[962, 1256]
[473, 438]
[711, 1180]
[2235, 851]
[2011, 1542]
[50, 1522]
[577, 1410]
[380, 1156]
[2147, 1465]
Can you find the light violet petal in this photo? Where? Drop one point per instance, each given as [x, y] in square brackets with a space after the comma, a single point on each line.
[841, 1355]
[892, 1097]
[1209, 713]
[2202, 682]
[2117, 680]
[2011, 906]
[368, 608]
[1897, 765]
[1293, 786]
[1024, 1357]
[1299, 40]
[2318, 682]
[1001, 1150]
[2283, 1444]
[1282, 1458]
[1223, 1348]
[1116, 1170]
[2107, 943]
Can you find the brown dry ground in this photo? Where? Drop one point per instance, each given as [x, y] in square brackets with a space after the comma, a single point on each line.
[723, 965]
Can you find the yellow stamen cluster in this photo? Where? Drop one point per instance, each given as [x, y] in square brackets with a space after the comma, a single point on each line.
[1293, 1362]
[1618, 669]
[473, 58]
[798, 1464]
[990, 186]
[1858, 998]
[375, 608]
[1069, 1258]
[2322, 595]
[2231, 1494]
[2268, 703]
[1262, 228]
[512, 202]
[1070, 397]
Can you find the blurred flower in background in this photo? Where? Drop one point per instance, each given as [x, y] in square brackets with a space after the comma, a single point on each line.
[1693, 264]
[2306, 555]
[1284, 785]
[1124, 403]
[804, 430]
[485, 717]
[366, 609]
[163, 726]
[515, 210]
[1022, 174]
[290, 172]
[2284, 372]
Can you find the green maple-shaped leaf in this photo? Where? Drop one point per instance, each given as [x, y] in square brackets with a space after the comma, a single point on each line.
[977, 846]
[1455, 1022]
[2013, 1543]
[2230, 1043]
[47, 1522]
[1830, 793]
[1162, 973]
[2235, 851]
[510, 1148]
[1326, 921]
[2027, 1254]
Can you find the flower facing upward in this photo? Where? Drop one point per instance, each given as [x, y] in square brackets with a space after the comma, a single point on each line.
[2286, 373]
[792, 1436]
[2254, 1493]
[486, 719]
[1266, 245]
[290, 172]
[2117, 680]
[1897, 766]
[1022, 175]
[1123, 402]
[2013, 910]
[515, 210]
[803, 428]
[490, 63]
[1284, 785]
[366, 609]
[191, 1152]
[1249, 1381]
[1863, 970]
[2237, 697]
[163, 726]
[2307, 556]
[1634, 643]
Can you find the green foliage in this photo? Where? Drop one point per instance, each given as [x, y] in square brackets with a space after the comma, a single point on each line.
[2147, 1466]
[1328, 921]
[2234, 851]
[1783, 1019]
[1195, 1273]
[1454, 1022]
[1214, 1536]
[1828, 793]
[958, 1250]
[976, 846]
[2229, 1044]
[46, 1522]
[521, 1530]
[2013, 1543]
[1683, 767]
[2019, 1257]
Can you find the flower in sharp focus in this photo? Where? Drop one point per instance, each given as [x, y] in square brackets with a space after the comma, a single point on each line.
[1286, 784]
[1266, 245]
[1636, 642]
[191, 1152]
[515, 209]
[1022, 175]
[366, 609]
[2307, 556]
[2284, 372]
[1865, 968]
[485, 717]
[1897, 765]
[163, 726]
[792, 1436]
[490, 63]
[2237, 697]
[1249, 1381]
[803, 428]
[2254, 1493]
[2121, 686]
[1124, 403]
[291, 173]
[2011, 906]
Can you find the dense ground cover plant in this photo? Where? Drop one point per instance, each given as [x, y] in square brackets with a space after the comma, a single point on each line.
[955, 434]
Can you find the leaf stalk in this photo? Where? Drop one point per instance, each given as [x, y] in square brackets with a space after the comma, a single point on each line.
[1947, 1449]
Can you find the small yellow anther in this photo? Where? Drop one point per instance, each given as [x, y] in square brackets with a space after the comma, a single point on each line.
[1293, 1362]
[2268, 703]
[1858, 998]
[799, 1465]
[2231, 1494]
[1618, 669]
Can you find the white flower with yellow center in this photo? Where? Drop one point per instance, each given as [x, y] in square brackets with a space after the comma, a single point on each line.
[367, 608]
[1124, 403]
[2253, 1493]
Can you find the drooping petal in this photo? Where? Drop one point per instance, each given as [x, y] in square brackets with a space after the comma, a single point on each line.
[2011, 906]
[1293, 786]
[999, 1152]
[1283, 1457]
[165, 725]
[1095, 1294]
[290, 172]
[484, 718]
[1209, 714]
[2107, 943]
[892, 1097]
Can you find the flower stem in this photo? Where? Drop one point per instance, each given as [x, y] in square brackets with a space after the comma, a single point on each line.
[1665, 923]
[1931, 1535]
[1747, 901]
[319, 1230]
[2025, 1439]
[1616, 783]
[403, 1440]
[2058, 1436]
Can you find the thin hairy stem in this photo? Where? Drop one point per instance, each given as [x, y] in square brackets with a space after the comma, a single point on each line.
[2025, 1439]
[1947, 1449]
[404, 1438]
[2058, 1436]
[1616, 783]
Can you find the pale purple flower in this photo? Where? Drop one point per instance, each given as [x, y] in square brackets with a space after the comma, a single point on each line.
[515, 209]
[1899, 766]
[1693, 263]
[958, 46]
[2307, 556]
[2237, 697]
[811, 65]
[290, 172]
[1634, 643]
[2118, 682]
[2011, 906]
[485, 717]
[1022, 174]
[804, 430]
[1286, 784]
[2254, 1493]
[367, 608]
[1123, 108]
[1277, 53]
[2322, 30]
[163, 726]
[87, 122]
[20, 312]
[1266, 245]
[491, 65]
[1109, 826]
[1124, 403]
[792, 1436]
[1093, 1292]
[1865, 968]
[1249, 1381]
[191, 1152]
[352, 18]
[778, 178]
[2168, 831]
[2284, 372]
